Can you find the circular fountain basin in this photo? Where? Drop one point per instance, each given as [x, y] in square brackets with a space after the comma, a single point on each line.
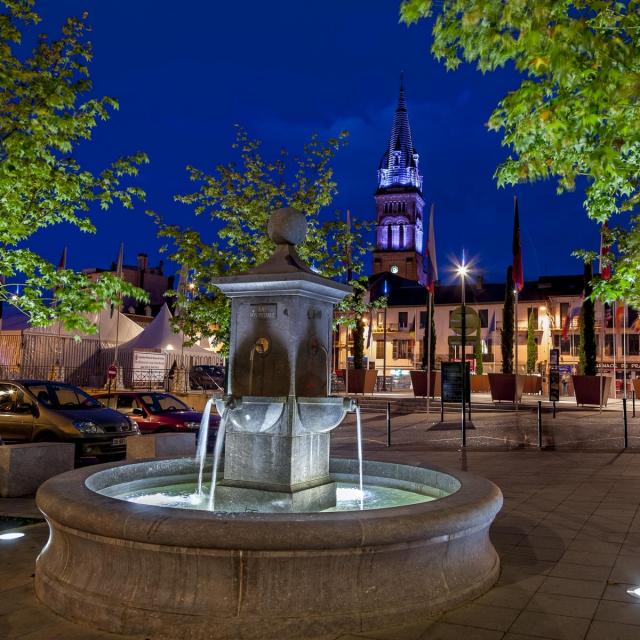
[185, 573]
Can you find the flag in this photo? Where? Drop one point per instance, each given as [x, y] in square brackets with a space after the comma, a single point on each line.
[119, 264]
[605, 270]
[429, 264]
[492, 324]
[574, 311]
[619, 317]
[63, 260]
[518, 276]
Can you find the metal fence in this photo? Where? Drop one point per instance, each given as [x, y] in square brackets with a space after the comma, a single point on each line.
[534, 424]
[170, 379]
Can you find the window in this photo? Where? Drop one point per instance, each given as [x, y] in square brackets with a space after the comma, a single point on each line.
[403, 349]
[126, 404]
[484, 318]
[403, 319]
[633, 344]
[533, 310]
[608, 344]
[8, 397]
[380, 318]
[564, 311]
[567, 347]
[379, 349]
[423, 319]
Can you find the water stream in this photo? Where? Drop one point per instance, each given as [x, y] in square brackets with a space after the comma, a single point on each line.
[217, 452]
[359, 437]
[203, 437]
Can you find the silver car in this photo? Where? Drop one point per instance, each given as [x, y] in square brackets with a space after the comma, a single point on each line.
[45, 411]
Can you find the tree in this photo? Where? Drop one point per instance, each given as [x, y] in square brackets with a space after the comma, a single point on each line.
[350, 313]
[506, 334]
[45, 115]
[239, 200]
[478, 353]
[425, 341]
[587, 348]
[532, 345]
[574, 115]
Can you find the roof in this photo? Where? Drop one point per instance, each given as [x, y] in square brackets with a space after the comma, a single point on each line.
[409, 293]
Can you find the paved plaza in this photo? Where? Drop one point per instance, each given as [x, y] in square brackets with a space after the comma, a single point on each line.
[568, 537]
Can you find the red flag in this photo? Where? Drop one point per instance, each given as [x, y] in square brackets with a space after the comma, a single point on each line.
[518, 276]
[605, 270]
[63, 260]
[619, 317]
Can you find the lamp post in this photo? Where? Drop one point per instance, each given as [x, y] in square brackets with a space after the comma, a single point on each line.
[462, 271]
[384, 339]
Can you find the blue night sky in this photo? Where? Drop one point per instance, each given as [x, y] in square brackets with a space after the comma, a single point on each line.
[185, 73]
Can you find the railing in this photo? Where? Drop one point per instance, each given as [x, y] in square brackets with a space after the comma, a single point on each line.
[170, 379]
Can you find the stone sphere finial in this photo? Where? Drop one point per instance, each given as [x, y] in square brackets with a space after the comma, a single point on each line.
[287, 226]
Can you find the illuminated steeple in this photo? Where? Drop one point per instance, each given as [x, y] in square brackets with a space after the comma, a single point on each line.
[399, 202]
[399, 164]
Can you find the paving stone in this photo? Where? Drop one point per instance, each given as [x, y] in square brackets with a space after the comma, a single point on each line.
[550, 626]
[446, 631]
[580, 571]
[568, 587]
[487, 617]
[563, 605]
[600, 630]
[622, 612]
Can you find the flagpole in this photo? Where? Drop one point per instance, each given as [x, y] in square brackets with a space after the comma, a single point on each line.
[119, 269]
[602, 335]
[427, 327]
[624, 350]
[615, 346]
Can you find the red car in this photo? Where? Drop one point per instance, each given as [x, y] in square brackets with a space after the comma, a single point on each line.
[157, 412]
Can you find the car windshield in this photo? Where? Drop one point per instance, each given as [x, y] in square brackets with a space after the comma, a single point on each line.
[61, 396]
[163, 402]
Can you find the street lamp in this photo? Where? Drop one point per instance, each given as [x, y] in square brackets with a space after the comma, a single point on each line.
[462, 271]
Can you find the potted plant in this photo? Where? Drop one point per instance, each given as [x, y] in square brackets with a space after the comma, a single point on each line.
[419, 376]
[588, 386]
[506, 386]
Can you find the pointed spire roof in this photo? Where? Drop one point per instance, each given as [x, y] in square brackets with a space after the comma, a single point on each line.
[398, 166]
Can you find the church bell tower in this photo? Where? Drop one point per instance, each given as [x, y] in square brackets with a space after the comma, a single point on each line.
[399, 202]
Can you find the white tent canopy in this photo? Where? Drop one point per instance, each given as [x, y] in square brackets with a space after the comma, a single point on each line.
[160, 334]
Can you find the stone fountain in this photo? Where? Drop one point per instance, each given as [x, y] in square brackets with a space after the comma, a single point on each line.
[283, 556]
[279, 409]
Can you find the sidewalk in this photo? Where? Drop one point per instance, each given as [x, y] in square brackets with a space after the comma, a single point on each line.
[568, 538]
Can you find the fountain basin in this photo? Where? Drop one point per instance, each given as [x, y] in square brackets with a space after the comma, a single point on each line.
[185, 574]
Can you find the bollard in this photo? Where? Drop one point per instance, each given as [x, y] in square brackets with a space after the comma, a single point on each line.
[388, 424]
[539, 424]
[554, 408]
[441, 409]
[633, 403]
[624, 417]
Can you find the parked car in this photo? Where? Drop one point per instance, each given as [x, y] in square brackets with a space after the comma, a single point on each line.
[207, 376]
[45, 411]
[156, 411]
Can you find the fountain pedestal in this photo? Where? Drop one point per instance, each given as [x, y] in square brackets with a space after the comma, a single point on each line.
[279, 412]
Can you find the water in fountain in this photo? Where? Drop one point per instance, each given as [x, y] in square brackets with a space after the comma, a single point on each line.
[359, 437]
[217, 452]
[203, 438]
